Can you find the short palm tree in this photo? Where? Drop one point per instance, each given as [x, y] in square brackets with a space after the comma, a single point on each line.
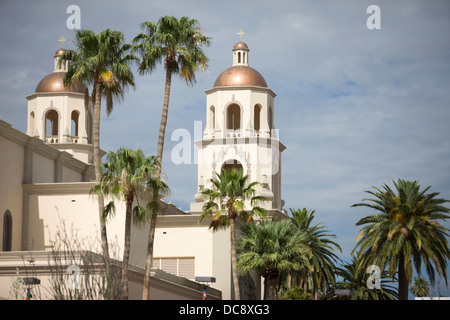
[178, 42]
[272, 247]
[323, 256]
[102, 61]
[126, 176]
[226, 202]
[405, 232]
[355, 277]
[420, 287]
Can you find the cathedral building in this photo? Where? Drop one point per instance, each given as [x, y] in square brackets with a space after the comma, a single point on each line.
[47, 175]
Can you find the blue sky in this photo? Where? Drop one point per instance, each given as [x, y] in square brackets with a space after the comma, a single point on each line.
[355, 107]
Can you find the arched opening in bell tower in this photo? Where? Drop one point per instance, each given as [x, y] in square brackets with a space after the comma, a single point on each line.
[51, 126]
[270, 119]
[74, 125]
[230, 165]
[31, 123]
[257, 117]
[234, 117]
[89, 127]
[212, 117]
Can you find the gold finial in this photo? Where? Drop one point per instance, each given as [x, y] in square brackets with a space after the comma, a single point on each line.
[62, 40]
[240, 33]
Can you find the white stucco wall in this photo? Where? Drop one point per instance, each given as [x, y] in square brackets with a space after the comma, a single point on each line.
[11, 175]
[184, 236]
[25, 160]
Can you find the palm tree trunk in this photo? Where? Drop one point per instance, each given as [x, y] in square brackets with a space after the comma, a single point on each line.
[149, 259]
[164, 115]
[97, 168]
[316, 295]
[270, 287]
[126, 249]
[237, 295]
[162, 133]
[288, 281]
[402, 279]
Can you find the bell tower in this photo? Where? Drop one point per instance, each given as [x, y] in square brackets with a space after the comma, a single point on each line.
[240, 133]
[58, 114]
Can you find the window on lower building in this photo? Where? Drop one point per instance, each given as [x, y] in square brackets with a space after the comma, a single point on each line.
[179, 266]
[7, 231]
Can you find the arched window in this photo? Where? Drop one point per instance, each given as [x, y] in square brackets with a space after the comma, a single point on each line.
[7, 231]
[257, 117]
[51, 126]
[234, 117]
[74, 123]
[270, 119]
[231, 164]
[212, 117]
[31, 123]
[89, 127]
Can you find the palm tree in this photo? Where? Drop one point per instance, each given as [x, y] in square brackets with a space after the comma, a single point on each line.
[405, 232]
[102, 61]
[322, 248]
[126, 174]
[420, 287]
[355, 279]
[226, 202]
[272, 247]
[178, 42]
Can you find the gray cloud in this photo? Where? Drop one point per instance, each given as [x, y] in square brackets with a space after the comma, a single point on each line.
[355, 107]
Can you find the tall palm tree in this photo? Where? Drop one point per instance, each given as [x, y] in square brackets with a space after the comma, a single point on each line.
[323, 256]
[272, 247]
[226, 202]
[179, 43]
[405, 232]
[102, 61]
[126, 174]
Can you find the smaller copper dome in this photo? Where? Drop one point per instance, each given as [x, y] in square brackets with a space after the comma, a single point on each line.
[60, 52]
[240, 45]
[54, 82]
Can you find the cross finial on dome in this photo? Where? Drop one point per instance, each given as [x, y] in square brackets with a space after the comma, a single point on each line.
[62, 40]
[240, 33]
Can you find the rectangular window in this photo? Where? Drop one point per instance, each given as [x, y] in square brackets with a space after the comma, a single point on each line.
[179, 266]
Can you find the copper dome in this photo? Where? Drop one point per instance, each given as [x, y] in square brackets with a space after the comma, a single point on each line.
[240, 76]
[60, 52]
[54, 82]
[240, 45]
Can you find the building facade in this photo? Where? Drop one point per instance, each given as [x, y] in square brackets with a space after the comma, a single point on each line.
[239, 133]
[47, 175]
